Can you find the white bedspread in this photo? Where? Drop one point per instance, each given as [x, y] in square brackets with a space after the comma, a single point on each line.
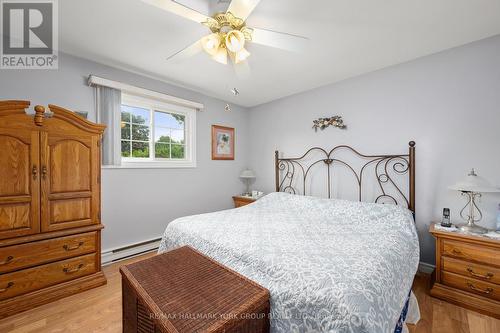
[330, 265]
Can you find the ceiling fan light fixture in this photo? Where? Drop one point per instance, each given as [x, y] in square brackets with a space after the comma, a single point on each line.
[211, 44]
[240, 56]
[221, 56]
[235, 41]
[228, 31]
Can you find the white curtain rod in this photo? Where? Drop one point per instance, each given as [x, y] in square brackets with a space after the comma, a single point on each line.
[126, 88]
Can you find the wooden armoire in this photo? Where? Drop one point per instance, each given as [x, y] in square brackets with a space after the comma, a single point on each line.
[50, 213]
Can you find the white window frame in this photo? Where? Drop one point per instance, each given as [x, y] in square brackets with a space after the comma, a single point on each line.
[153, 105]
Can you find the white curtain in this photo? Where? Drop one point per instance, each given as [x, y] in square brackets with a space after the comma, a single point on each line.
[108, 104]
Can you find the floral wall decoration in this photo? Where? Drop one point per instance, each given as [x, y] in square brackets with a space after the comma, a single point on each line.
[322, 123]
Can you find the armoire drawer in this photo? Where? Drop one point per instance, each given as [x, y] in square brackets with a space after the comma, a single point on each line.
[24, 281]
[35, 253]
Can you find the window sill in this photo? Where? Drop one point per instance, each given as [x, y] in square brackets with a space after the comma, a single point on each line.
[152, 165]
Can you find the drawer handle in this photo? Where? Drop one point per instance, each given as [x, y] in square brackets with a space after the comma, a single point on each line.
[487, 276]
[456, 251]
[68, 270]
[72, 248]
[483, 291]
[7, 261]
[9, 285]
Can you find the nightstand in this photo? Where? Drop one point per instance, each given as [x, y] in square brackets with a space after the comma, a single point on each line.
[467, 270]
[240, 200]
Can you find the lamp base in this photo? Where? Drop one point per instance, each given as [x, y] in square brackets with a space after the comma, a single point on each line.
[472, 228]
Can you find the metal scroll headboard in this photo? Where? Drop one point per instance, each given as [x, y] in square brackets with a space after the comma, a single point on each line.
[386, 172]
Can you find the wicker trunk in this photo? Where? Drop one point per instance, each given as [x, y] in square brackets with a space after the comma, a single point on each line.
[185, 291]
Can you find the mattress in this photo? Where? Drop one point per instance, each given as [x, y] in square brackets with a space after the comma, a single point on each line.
[330, 265]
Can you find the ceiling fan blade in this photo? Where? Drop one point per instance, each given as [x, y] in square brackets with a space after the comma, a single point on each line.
[242, 8]
[187, 52]
[178, 9]
[280, 40]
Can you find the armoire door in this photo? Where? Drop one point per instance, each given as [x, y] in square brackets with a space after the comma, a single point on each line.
[69, 171]
[19, 182]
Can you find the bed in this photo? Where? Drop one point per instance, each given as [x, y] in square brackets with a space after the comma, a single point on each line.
[331, 265]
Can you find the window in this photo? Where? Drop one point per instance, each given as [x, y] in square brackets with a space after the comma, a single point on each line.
[156, 132]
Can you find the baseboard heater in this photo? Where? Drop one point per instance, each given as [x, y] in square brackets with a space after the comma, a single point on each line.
[121, 253]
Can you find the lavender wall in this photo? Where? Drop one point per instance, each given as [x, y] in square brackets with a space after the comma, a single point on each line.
[449, 103]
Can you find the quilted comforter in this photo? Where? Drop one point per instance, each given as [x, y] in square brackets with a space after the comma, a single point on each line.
[330, 265]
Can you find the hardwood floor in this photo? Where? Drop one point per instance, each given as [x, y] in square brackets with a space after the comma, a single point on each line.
[99, 310]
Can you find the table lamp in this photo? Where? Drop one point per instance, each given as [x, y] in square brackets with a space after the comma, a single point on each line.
[247, 175]
[472, 187]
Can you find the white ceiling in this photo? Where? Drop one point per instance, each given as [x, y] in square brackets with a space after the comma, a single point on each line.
[347, 38]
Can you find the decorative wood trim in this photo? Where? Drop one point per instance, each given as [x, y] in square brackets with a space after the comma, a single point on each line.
[46, 295]
[13, 107]
[439, 250]
[73, 118]
[39, 115]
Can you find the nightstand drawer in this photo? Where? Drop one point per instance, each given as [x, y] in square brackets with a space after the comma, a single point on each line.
[474, 286]
[473, 252]
[472, 270]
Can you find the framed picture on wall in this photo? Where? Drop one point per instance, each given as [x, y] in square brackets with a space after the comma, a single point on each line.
[222, 143]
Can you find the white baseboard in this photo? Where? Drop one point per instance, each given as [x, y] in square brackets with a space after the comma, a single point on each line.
[426, 268]
[117, 254]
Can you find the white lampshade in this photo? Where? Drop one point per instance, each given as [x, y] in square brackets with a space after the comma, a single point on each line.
[474, 183]
[247, 174]
[211, 44]
[235, 41]
[221, 56]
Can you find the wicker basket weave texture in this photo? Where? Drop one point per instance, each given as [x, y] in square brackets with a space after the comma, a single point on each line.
[184, 291]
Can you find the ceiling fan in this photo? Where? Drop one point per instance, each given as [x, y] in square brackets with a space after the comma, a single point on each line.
[229, 32]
